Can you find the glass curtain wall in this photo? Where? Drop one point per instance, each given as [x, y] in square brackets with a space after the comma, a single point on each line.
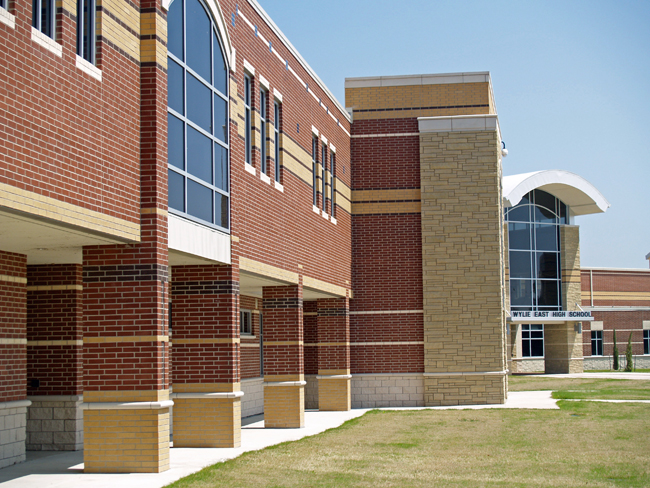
[198, 117]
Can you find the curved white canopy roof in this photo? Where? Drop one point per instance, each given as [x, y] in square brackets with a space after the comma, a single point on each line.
[582, 197]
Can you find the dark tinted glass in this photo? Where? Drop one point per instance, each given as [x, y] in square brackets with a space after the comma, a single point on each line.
[519, 214]
[220, 118]
[176, 191]
[519, 236]
[221, 210]
[563, 214]
[175, 87]
[175, 138]
[525, 349]
[521, 293]
[547, 293]
[520, 265]
[220, 167]
[536, 348]
[199, 106]
[175, 29]
[546, 237]
[199, 32]
[220, 72]
[546, 263]
[199, 155]
[199, 201]
[544, 210]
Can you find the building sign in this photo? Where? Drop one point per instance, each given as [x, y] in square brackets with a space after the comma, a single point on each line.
[549, 317]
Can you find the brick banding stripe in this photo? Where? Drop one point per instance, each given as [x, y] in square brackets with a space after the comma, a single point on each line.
[400, 109]
[333, 312]
[125, 272]
[216, 287]
[280, 303]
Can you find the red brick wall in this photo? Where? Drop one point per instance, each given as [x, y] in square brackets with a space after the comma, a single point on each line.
[310, 323]
[54, 315]
[250, 356]
[333, 327]
[283, 323]
[13, 306]
[624, 322]
[635, 285]
[205, 307]
[65, 134]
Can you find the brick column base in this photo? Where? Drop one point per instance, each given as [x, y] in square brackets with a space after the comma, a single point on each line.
[126, 440]
[562, 349]
[464, 389]
[207, 419]
[334, 393]
[284, 404]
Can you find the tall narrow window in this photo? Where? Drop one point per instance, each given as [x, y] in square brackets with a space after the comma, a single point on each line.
[263, 131]
[646, 341]
[42, 16]
[249, 121]
[245, 322]
[3, 4]
[333, 172]
[596, 342]
[86, 14]
[197, 117]
[276, 139]
[314, 160]
[324, 176]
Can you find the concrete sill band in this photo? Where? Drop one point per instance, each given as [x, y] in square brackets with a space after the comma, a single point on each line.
[227, 394]
[285, 383]
[127, 405]
[469, 373]
[15, 404]
[334, 377]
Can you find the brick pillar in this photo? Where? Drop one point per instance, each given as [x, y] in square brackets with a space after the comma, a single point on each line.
[462, 261]
[13, 352]
[54, 357]
[310, 328]
[334, 354]
[284, 378]
[126, 351]
[206, 366]
[563, 341]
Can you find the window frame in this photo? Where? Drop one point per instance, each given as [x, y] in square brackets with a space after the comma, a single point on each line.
[324, 177]
[43, 8]
[264, 95]
[314, 159]
[530, 340]
[332, 178]
[248, 130]
[596, 342]
[245, 319]
[646, 342]
[85, 20]
[4, 4]
[276, 138]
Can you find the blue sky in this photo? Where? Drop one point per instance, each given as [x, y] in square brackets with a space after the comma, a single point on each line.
[571, 81]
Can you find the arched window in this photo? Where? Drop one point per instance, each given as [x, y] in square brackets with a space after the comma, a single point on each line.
[534, 251]
[198, 116]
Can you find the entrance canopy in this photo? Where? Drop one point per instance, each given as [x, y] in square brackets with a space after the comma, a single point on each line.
[581, 196]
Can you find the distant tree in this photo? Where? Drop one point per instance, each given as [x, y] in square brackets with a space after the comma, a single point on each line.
[628, 355]
[615, 353]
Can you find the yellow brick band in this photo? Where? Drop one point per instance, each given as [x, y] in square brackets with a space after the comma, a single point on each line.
[206, 387]
[13, 279]
[5, 341]
[56, 343]
[229, 340]
[309, 282]
[110, 339]
[283, 377]
[262, 269]
[55, 288]
[154, 210]
[283, 343]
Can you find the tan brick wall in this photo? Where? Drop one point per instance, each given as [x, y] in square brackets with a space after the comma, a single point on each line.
[126, 441]
[207, 422]
[284, 407]
[462, 260]
[334, 394]
[570, 261]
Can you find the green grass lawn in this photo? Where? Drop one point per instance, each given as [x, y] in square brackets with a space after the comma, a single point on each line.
[582, 444]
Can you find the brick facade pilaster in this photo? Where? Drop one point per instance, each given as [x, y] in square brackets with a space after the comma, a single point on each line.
[54, 357]
[206, 349]
[334, 354]
[13, 352]
[284, 378]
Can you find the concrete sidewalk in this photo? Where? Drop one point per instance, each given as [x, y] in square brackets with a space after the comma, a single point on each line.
[65, 470]
[595, 376]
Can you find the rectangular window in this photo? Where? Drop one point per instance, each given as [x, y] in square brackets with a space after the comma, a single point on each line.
[247, 105]
[86, 18]
[263, 131]
[314, 160]
[532, 340]
[276, 140]
[42, 16]
[245, 322]
[324, 176]
[646, 342]
[596, 342]
[333, 172]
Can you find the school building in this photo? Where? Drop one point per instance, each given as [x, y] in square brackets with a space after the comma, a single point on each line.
[194, 230]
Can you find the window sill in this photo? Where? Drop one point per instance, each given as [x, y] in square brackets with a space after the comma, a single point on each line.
[89, 68]
[250, 169]
[47, 42]
[315, 209]
[334, 221]
[324, 215]
[278, 186]
[7, 18]
[246, 336]
[265, 178]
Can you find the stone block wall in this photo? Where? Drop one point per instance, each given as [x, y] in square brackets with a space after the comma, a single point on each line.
[387, 390]
[55, 423]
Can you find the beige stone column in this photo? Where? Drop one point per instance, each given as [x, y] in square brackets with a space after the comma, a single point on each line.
[462, 260]
[563, 341]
